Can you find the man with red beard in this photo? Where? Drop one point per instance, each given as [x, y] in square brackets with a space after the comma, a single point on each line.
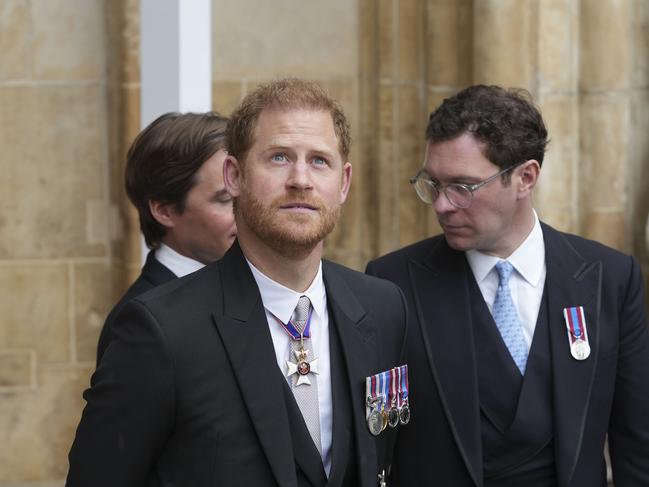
[252, 371]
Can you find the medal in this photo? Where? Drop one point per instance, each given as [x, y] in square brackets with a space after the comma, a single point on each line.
[393, 413]
[382, 482]
[373, 415]
[302, 366]
[577, 332]
[383, 386]
[580, 349]
[404, 409]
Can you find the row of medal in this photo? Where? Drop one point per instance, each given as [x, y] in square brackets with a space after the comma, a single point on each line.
[387, 403]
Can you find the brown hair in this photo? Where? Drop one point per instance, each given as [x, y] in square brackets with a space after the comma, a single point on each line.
[506, 122]
[283, 94]
[163, 160]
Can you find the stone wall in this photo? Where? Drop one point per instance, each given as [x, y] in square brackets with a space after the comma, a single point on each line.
[69, 92]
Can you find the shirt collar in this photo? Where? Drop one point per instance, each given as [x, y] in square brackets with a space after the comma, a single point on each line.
[281, 301]
[528, 259]
[175, 262]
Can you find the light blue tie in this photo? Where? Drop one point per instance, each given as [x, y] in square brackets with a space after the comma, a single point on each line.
[506, 317]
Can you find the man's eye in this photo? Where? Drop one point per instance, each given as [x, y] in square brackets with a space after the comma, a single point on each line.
[319, 161]
[279, 158]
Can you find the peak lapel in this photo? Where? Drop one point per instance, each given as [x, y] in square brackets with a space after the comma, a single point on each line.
[244, 330]
[571, 281]
[359, 349]
[443, 311]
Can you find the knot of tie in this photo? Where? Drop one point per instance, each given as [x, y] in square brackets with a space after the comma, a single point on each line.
[301, 312]
[504, 270]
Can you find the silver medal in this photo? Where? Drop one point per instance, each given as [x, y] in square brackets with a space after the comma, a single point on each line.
[580, 349]
[375, 422]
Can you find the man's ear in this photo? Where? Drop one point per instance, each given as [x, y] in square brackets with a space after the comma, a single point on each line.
[347, 181]
[232, 176]
[163, 213]
[527, 176]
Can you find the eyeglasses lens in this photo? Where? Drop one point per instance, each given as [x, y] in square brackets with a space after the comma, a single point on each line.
[458, 195]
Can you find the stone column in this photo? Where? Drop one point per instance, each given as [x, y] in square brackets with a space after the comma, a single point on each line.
[604, 109]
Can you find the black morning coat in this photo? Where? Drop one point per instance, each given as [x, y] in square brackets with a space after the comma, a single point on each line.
[608, 393]
[188, 393]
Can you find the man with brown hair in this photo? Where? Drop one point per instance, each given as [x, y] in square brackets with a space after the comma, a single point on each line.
[252, 371]
[527, 346]
[174, 178]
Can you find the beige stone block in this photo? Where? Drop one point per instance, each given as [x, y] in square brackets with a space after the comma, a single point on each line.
[116, 150]
[314, 39]
[17, 370]
[345, 92]
[34, 310]
[503, 48]
[368, 39]
[557, 189]
[639, 173]
[130, 41]
[53, 141]
[387, 35]
[412, 212]
[131, 113]
[604, 150]
[366, 173]
[411, 16]
[640, 44]
[558, 27]
[226, 96]
[449, 42]
[133, 240]
[606, 227]
[562, 218]
[68, 39]
[388, 171]
[37, 427]
[14, 39]
[605, 48]
[347, 234]
[93, 299]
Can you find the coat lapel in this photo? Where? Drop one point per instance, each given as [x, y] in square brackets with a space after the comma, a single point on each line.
[359, 350]
[443, 311]
[570, 281]
[243, 328]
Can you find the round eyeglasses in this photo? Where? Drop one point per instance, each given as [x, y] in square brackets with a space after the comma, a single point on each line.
[459, 195]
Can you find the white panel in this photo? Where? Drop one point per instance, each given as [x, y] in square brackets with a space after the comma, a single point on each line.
[195, 56]
[175, 59]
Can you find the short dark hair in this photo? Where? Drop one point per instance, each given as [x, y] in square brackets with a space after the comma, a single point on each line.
[163, 160]
[283, 94]
[505, 121]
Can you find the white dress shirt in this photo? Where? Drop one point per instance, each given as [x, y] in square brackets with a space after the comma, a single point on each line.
[526, 283]
[280, 302]
[175, 262]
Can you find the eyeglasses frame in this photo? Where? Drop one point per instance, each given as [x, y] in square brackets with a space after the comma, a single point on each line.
[471, 188]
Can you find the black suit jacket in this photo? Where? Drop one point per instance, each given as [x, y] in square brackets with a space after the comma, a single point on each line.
[189, 392]
[607, 393]
[153, 274]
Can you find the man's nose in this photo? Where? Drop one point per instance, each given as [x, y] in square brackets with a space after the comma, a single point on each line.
[300, 175]
[442, 204]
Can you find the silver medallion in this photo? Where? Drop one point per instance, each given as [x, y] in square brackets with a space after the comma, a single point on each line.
[393, 417]
[375, 422]
[580, 349]
[404, 414]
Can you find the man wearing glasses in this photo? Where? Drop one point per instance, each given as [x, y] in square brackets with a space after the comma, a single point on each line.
[527, 346]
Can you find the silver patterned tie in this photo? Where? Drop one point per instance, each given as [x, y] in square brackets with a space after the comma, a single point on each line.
[306, 394]
[506, 317]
